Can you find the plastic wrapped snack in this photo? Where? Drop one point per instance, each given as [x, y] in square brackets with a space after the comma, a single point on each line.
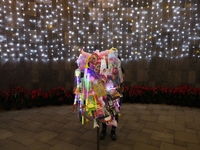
[99, 113]
[103, 69]
[94, 58]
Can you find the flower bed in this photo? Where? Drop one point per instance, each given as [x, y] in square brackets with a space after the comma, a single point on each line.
[20, 97]
[180, 95]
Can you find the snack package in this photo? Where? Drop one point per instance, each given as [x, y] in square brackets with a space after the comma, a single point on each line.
[108, 119]
[94, 58]
[112, 60]
[99, 90]
[103, 69]
[103, 79]
[115, 71]
[112, 123]
[110, 102]
[81, 61]
[114, 79]
[109, 71]
[114, 94]
[90, 115]
[77, 79]
[99, 113]
[91, 103]
[97, 67]
[93, 73]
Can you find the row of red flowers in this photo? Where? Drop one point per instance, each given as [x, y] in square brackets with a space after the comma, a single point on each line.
[180, 95]
[21, 97]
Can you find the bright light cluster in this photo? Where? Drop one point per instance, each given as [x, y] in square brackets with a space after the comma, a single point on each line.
[140, 29]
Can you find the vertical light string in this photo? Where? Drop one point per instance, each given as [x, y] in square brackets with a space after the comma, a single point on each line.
[34, 34]
[98, 20]
[125, 31]
[61, 45]
[197, 26]
[84, 33]
[195, 13]
[151, 18]
[117, 30]
[23, 38]
[168, 35]
[133, 27]
[78, 29]
[57, 19]
[183, 9]
[178, 11]
[159, 12]
[172, 28]
[192, 27]
[69, 36]
[102, 27]
[10, 31]
[187, 28]
[2, 28]
[74, 30]
[146, 24]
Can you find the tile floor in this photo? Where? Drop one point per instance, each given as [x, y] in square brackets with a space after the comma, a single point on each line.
[140, 127]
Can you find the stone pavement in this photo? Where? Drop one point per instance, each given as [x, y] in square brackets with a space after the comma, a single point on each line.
[141, 127]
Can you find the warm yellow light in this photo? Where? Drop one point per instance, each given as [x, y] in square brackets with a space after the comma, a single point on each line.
[132, 20]
[150, 37]
[197, 51]
[50, 26]
[148, 6]
[67, 7]
[167, 7]
[135, 52]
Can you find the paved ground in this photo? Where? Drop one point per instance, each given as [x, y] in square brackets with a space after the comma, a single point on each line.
[141, 127]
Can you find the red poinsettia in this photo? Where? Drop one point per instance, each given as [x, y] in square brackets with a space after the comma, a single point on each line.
[36, 96]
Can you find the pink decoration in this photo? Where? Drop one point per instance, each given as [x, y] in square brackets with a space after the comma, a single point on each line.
[85, 54]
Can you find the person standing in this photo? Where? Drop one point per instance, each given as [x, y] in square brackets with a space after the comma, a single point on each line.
[104, 126]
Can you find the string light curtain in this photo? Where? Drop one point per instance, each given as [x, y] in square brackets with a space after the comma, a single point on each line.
[46, 30]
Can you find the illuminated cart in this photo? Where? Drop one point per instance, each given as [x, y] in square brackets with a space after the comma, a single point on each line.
[97, 81]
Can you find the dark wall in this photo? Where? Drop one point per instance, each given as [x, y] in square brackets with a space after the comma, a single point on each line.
[163, 72]
[156, 72]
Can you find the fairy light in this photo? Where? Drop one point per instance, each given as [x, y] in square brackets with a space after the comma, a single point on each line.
[138, 29]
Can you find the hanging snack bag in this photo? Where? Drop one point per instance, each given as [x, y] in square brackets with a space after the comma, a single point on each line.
[108, 119]
[103, 79]
[112, 123]
[114, 79]
[93, 58]
[99, 90]
[91, 103]
[114, 94]
[99, 113]
[112, 60]
[103, 69]
[97, 67]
